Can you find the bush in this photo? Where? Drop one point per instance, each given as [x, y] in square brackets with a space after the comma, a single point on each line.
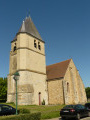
[36, 116]
[43, 102]
[33, 116]
[11, 103]
[23, 111]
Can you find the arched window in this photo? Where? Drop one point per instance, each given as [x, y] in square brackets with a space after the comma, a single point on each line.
[39, 46]
[14, 49]
[35, 45]
[68, 87]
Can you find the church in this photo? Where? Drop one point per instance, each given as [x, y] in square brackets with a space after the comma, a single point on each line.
[59, 83]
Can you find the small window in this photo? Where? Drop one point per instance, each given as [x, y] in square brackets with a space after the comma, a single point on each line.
[39, 46]
[14, 49]
[35, 45]
[67, 87]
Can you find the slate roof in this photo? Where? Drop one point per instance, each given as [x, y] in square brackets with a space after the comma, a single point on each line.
[29, 27]
[57, 70]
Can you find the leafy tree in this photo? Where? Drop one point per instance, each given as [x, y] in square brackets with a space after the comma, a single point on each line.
[87, 89]
[3, 89]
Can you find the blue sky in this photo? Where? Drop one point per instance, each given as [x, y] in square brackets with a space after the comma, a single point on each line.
[64, 25]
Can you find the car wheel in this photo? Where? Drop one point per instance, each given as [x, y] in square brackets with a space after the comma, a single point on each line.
[88, 114]
[78, 117]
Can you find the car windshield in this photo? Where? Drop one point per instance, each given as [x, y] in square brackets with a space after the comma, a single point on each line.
[69, 106]
[5, 107]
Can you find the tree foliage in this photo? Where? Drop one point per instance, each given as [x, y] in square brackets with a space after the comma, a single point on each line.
[3, 89]
[87, 89]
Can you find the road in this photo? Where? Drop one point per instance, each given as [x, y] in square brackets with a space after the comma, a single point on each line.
[86, 118]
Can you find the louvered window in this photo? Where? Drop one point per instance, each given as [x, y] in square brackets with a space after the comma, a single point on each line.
[35, 44]
[39, 46]
[14, 49]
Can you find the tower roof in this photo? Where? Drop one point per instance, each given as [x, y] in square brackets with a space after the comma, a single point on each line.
[57, 70]
[29, 27]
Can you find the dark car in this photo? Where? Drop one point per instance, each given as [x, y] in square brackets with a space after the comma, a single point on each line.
[87, 105]
[74, 111]
[6, 110]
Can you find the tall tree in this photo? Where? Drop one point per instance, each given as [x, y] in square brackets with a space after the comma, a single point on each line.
[3, 89]
[87, 89]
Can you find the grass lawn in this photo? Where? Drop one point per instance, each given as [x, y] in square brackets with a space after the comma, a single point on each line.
[48, 111]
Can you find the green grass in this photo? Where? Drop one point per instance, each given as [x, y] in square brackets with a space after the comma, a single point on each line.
[47, 111]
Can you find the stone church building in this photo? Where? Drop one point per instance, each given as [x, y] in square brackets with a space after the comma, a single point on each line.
[59, 83]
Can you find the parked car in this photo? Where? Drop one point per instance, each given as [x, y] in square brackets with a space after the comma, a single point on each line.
[87, 105]
[74, 111]
[6, 110]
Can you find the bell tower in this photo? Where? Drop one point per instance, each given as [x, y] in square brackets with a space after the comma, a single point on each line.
[27, 56]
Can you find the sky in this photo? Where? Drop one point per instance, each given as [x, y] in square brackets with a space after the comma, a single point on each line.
[64, 25]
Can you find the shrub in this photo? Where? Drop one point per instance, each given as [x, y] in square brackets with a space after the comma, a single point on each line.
[43, 102]
[23, 111]
[36, 116]
[11, 103]
[33, 116]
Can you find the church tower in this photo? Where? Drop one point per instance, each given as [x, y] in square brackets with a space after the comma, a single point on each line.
[27, 56]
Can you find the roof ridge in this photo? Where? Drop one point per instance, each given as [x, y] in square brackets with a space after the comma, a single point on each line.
[67, 67]
[59, 62]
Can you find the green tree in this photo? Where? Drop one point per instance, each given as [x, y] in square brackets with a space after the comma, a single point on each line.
[3, 89]
[87, 89]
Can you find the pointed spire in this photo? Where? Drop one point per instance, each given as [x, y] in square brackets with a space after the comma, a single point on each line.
[29, 27]
[29, 14]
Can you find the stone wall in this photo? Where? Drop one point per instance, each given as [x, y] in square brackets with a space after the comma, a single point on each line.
[76, 93]
[29, 61]
[69, 90]
[55, 91]
[29, 57]
[29, 86]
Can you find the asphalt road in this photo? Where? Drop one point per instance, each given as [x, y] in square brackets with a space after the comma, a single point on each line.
[86, 118]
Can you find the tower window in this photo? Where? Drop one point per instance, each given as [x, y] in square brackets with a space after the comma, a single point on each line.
[35, 44]
[14, 49]
[39, 46]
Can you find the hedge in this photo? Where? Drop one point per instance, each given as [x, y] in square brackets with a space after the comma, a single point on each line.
[33, 116]
[23, 111]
